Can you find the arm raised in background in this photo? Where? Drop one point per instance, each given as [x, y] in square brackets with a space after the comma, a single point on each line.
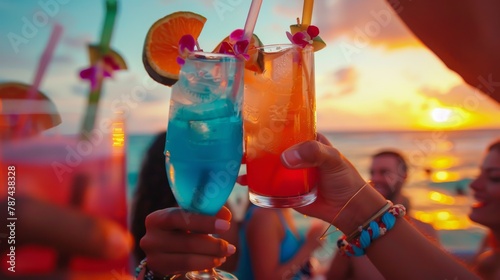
[67, 230]
[463, 34]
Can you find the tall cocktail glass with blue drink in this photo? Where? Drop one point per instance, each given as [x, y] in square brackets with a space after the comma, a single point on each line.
[205, 135]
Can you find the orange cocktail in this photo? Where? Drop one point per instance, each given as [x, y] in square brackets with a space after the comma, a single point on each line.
[279, 111]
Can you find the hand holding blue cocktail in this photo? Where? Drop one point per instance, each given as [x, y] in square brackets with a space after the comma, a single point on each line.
[204, 143]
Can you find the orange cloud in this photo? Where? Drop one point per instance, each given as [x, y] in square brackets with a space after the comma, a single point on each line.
[364, 22]
[344, 83]
[337, 118]
[462, 96]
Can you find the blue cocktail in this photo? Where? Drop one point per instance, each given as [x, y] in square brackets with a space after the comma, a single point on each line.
[205, 135]
[203, 160]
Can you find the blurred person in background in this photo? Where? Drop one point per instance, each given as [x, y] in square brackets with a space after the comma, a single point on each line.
[271, 247]
[388, 175]
[486, 191]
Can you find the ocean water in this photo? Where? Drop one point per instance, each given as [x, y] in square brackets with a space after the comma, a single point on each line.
[441, 166]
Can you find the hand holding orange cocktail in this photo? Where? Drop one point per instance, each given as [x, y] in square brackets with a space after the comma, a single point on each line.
[280, 111]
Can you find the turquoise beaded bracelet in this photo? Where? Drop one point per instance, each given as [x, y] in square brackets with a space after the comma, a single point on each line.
[375, 229]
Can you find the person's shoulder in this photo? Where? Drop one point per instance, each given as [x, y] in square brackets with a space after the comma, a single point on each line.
[265, 214]
[264, 219]
[264, 222]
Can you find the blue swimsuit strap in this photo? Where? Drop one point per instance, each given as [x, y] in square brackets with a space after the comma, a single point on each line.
[290, 243]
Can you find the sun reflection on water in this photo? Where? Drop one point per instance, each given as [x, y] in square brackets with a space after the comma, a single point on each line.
[441, 208]
[444, 175]
[443, 219]
[441, 198]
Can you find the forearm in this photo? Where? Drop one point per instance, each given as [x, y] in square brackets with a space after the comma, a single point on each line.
[339, 268]
[403, 243]
[399, 253]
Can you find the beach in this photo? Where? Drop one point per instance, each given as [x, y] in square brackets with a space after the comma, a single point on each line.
[441, 165]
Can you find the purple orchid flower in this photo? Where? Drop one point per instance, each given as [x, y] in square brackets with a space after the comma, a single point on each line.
[104, 68]
[186, 45]
[236, 35]
[304, 38]
[236, 45]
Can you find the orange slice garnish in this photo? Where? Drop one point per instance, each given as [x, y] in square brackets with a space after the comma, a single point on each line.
[40, 112]
[161, 45]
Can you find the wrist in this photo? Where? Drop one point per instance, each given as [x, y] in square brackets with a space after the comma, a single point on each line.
[356, 244]
[363, 206]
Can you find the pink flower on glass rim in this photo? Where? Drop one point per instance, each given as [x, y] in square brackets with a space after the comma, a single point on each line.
[236, 45]
[104, 68]
[186, 46]
[304, 38]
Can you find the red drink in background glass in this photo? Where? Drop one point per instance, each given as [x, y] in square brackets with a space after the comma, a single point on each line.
[87, 175]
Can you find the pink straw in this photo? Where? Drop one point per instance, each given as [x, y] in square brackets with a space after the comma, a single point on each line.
[46, 58]
[42, 67]
[251, 19]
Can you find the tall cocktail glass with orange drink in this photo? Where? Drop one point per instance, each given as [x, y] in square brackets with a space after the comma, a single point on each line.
[279, 111]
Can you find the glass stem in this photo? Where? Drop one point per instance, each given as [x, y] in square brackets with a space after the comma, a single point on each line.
[207, 274]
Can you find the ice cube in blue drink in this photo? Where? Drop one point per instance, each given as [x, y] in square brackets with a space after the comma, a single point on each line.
[221, 108]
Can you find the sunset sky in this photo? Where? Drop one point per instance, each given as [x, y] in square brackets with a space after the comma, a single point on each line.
[373, 74]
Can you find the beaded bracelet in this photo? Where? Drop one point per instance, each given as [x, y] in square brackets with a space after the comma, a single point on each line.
[147, 274]
[376, 216]
[375, 229]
